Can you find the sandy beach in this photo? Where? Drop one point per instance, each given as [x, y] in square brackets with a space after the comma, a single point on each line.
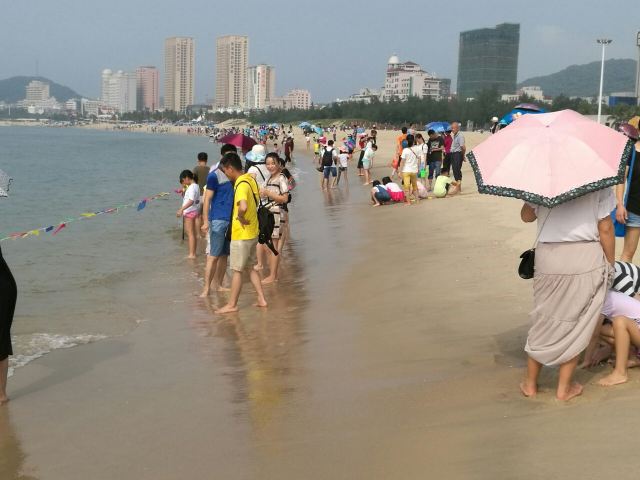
[392, 348]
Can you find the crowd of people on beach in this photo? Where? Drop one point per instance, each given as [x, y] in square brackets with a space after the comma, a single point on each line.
[422, 166]
[242, 212]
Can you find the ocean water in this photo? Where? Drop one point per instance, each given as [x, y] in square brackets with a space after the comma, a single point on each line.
[93, 279]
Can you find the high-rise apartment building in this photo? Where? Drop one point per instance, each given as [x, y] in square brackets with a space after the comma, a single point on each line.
[148, 96]
[232, 61]
[37, 91]
[178, 73]
[119, 90]
[261, 86]
[488, 58]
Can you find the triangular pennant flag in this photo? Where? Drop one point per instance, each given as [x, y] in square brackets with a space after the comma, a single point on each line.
[60, 227]
[48, 229]
[142, 204]
[88, 214]
[35, 232]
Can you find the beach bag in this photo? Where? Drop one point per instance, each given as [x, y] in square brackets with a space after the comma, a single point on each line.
[620, 227]
[526, 269]
[266, 222]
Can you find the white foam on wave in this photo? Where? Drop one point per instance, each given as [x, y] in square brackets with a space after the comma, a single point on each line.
[28, 348]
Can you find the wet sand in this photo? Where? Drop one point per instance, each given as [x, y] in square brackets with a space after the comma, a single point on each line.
[392, 348]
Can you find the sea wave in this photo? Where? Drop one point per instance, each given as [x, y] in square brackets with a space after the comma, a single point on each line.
[28, 348]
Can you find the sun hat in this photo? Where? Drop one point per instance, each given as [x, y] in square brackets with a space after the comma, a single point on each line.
[258, 154]
[494, 119]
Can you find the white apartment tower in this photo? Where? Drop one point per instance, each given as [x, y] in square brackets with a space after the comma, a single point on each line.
[261, 86]
[119, 90]
[232, 61]
[178, 73]
[404, 80]
[37, 91]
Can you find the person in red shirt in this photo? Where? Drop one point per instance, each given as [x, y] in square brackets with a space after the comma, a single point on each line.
[448, 140]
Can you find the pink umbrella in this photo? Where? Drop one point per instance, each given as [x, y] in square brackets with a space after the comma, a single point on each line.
[241, 141]
[550, 158]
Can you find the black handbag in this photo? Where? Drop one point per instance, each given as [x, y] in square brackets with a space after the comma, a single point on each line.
[526, 269]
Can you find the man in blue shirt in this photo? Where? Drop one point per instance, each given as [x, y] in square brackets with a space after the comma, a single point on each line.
[216, 214]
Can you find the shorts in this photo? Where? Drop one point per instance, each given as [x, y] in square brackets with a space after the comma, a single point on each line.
[193, 214]
[633, 221]
[382, 196]
[243, 254]
[366, 164]
[329, 170]
[434, 169]
[342, 169]
[218, 243]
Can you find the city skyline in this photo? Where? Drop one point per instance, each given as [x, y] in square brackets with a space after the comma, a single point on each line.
[71, 58]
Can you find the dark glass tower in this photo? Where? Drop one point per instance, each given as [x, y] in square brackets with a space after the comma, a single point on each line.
[488, 58]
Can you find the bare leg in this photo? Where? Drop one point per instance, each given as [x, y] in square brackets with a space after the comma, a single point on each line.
[625, 331]
[567, 389]
[631, 236]
[255, 280]
[4, 372]
[221, 271]
[260, 254]
[191, 235]
[274, 262]
[236, 286]
[529, 386]
[209, 271]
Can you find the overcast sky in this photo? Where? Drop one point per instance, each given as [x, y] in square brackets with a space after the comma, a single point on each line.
[330, 47]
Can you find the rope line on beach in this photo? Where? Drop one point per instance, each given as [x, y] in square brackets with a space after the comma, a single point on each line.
[55, 228]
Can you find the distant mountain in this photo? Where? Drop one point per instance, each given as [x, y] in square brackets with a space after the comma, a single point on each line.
[14, 89]
[584, 80]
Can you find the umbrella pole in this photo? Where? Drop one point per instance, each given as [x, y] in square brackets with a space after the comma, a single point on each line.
[183, 229]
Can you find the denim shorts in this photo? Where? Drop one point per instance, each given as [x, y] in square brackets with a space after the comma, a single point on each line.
[633, 220]
[330, 170]
[217, 233]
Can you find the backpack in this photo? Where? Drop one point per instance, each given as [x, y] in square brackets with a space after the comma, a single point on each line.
[266, 222]
[327, 157]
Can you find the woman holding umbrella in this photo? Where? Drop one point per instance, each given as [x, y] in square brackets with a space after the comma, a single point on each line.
[563, 165]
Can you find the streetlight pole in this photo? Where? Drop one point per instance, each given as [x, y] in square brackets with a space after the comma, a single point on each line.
[604, 42]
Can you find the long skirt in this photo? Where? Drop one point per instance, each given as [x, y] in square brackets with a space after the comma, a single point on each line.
[569, 287]
[8, 295]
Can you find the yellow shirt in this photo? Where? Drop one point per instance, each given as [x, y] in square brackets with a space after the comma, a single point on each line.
[246, 189]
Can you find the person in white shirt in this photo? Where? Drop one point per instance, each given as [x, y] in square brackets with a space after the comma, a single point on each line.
[367, 162]
[190, 209]
[343, 164]
[573, 261]
[409, 166]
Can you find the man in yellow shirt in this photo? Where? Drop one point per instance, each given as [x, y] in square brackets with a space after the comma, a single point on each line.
[244, 231]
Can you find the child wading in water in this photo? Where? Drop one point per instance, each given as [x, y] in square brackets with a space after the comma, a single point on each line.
[190, 209]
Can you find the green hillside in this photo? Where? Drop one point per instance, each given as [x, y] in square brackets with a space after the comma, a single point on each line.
[13, 89]
[584, 80]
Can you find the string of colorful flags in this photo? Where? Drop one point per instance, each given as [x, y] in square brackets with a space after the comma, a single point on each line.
[55, 229]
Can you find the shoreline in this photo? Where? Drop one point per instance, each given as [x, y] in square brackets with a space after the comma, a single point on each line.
[394, 347]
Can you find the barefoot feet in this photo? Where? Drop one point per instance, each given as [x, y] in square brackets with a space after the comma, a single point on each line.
[227, 309]
[614, 378]
[574, 390]
[528, 389]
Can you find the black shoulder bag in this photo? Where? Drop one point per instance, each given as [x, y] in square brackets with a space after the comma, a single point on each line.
[526, 269]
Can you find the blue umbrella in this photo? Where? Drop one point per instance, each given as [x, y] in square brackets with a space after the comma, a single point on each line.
[318, 130]
[438, 127]
[360, 130]
[516, 112]
[304, 124]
